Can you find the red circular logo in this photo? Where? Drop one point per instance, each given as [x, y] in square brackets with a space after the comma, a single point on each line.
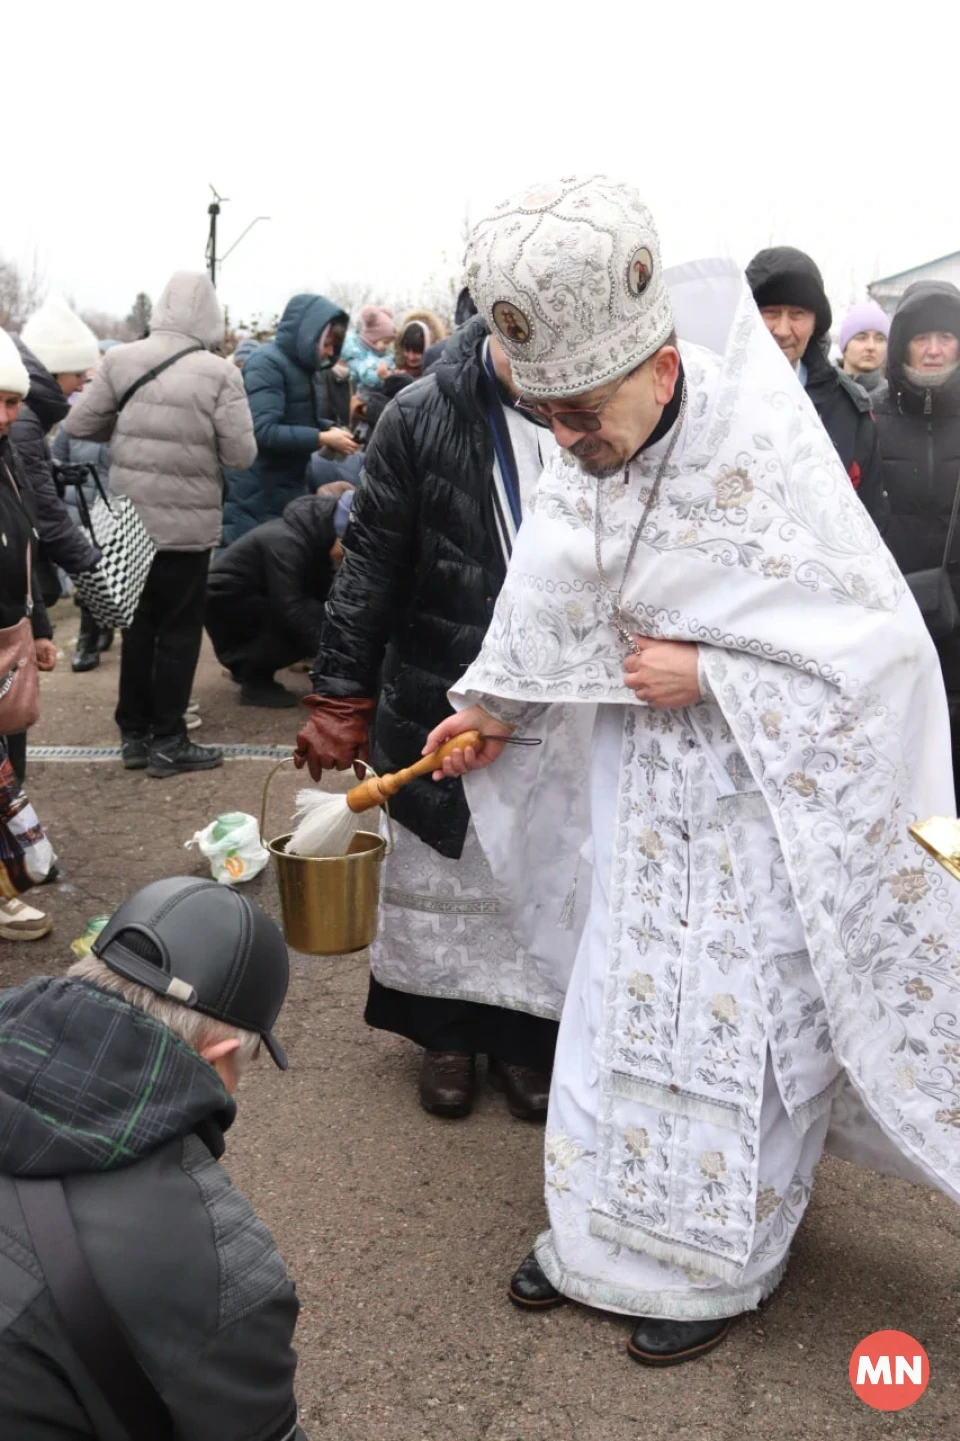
[889, 1370]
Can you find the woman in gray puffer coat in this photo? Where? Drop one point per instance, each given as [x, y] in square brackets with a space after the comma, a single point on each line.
[72, 461]
[175, 414]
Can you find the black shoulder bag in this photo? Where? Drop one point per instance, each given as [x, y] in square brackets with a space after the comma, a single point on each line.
[152, 374]
[87, 1322]
[933, 589]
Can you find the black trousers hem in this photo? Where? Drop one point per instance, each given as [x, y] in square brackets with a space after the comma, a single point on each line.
[438, 1024]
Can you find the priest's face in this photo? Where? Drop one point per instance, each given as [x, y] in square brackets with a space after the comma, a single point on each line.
[628, 410]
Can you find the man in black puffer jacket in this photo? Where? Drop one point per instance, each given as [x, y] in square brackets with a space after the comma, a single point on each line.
[918, 421]
[424, 560]
[266, 594]
[788, 288]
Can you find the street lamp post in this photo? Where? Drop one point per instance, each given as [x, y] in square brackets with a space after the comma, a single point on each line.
[213, 210]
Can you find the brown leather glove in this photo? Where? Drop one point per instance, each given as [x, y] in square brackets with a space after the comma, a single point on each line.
[335, 735]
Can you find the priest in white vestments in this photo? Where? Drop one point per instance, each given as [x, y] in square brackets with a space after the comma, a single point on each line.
[769, 965]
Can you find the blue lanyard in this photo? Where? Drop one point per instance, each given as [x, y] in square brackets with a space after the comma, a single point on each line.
[502, 446]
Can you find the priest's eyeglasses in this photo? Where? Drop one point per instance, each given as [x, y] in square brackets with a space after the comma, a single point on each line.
[585, 420]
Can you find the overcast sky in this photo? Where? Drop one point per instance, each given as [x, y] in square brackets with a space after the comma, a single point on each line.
[367, 130]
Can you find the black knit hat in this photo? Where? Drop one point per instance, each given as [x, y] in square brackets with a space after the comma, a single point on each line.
[205, 946]
[784, 276]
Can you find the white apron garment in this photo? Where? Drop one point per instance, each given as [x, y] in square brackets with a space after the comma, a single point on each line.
[447, 928]
[598, 1269]
[823, 674]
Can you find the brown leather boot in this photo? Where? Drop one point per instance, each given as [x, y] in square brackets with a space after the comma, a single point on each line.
[447, 1083]
[527, 1091]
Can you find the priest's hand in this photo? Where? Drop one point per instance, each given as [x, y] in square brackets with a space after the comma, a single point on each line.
[473, 718]
[664, 674]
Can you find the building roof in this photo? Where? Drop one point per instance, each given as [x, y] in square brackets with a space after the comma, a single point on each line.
[889, 288]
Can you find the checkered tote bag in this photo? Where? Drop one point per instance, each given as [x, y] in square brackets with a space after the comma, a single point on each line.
[112, 592]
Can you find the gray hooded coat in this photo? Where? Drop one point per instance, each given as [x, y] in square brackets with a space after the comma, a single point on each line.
[172, 439]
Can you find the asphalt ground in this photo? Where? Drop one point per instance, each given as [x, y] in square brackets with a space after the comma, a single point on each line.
[402, 1230]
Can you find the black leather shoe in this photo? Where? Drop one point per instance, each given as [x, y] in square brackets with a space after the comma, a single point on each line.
[527, 1091]
[104, 640]
[529, 1288]
[670, 1343]
[447, 1080]
[85, 659]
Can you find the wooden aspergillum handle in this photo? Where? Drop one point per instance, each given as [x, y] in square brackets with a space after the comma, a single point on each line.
[377, 789]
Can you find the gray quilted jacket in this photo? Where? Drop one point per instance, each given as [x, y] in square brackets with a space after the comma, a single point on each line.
[96, 1092]
[171, 441]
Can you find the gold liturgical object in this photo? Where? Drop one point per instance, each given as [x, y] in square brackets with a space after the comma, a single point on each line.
[941, 837]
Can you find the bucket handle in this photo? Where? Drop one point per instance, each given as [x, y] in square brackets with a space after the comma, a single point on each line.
[287, 760]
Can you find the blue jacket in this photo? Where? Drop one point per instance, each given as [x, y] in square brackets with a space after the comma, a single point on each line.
[279, 383]
[364, 361]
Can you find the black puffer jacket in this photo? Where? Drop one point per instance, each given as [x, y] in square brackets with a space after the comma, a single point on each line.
[420, 577]
[920, 444]
[286, 562]
[785, 276]
[847, 414]
[45, 406]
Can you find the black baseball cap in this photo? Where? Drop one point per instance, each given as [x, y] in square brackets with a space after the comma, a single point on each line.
[207, 947]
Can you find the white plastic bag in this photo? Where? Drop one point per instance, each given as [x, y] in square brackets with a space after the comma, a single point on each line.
[231, 844]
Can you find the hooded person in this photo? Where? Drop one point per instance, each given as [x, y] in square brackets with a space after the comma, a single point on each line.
[279, 378]
[788, 289]
[265, 602]
[116, 1091]
[58, 349]
[175, 414]
[918, 422]
[862, 342]
[770, 715]
[416, 333]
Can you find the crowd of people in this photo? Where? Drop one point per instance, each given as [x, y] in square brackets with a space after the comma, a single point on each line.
[712, 590]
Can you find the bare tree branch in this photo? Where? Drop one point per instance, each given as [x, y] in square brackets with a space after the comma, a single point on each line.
[21, 293]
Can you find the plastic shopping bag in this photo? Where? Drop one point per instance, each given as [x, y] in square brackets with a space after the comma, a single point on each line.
[232, 846]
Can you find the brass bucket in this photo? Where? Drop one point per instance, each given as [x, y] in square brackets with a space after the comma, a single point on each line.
[329, 905]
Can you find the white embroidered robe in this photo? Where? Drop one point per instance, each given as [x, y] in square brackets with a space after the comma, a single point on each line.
[762, 899]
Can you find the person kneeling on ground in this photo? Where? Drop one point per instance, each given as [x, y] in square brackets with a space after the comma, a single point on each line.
[117, 1081]
[266, 596]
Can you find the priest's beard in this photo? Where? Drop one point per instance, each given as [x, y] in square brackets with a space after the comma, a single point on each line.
[594, 464]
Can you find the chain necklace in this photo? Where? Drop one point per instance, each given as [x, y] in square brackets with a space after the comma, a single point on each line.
[617, 617]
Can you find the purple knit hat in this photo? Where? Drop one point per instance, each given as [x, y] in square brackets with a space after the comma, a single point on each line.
[866, 316]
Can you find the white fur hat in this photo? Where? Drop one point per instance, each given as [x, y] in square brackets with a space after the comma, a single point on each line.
[59, 338]
[568, 277]
[13, 373]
